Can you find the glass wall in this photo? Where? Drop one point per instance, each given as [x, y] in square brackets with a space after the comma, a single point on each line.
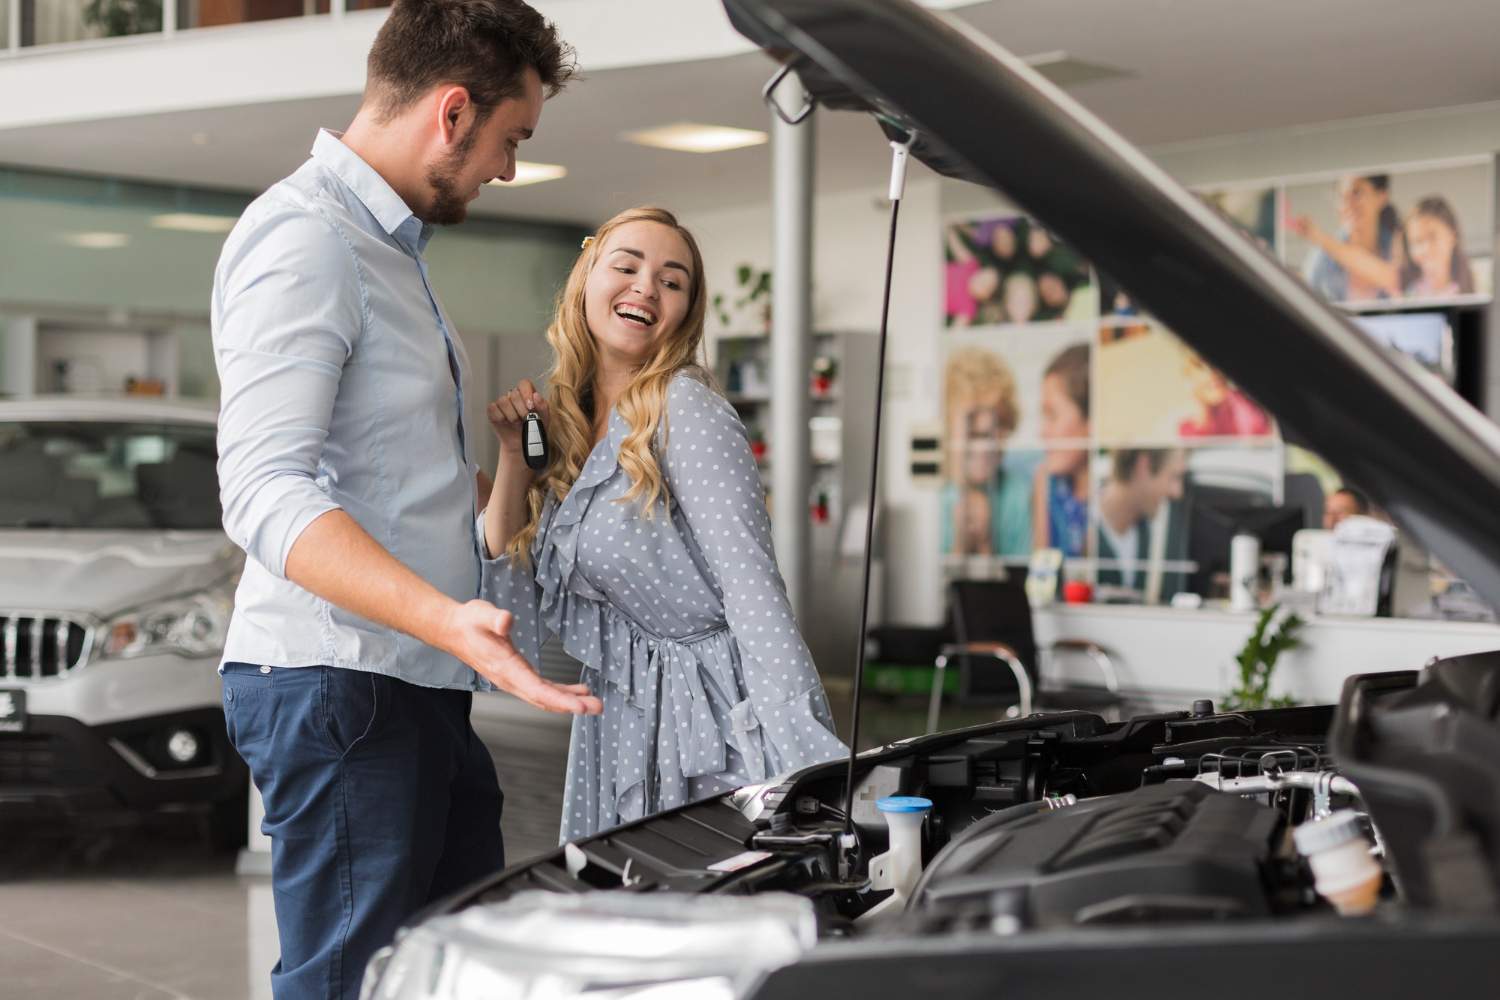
[84, 257]
[47, 22]
[50, 22]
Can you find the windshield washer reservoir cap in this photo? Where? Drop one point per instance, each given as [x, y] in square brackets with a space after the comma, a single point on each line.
[903, 804]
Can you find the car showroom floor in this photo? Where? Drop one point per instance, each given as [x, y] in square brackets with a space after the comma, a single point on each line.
[150, 913]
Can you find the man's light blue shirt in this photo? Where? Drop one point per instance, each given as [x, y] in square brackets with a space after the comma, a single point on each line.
[342, 386]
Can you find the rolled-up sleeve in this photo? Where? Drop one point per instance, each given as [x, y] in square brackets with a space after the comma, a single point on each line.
[288, 308]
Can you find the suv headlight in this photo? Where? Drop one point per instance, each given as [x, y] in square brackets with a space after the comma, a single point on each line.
[188, 625]
[600, 946]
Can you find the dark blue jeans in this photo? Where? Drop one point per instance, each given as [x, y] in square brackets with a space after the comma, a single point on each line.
[379, 799]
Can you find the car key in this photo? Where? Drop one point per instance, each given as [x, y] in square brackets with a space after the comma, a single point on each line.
[534, 442]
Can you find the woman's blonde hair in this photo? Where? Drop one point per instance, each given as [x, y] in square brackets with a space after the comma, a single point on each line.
[570, 384]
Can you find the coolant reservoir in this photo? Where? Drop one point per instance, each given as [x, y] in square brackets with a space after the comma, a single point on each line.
[1339, 854]
[899, 868]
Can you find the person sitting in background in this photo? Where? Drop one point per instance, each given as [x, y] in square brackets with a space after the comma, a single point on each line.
[1342, 503]
[1363, 261]
[1141, 482]
[1060, 498]
[1436, 263]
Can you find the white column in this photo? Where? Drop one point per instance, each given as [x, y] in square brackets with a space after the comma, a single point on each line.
[791, 343]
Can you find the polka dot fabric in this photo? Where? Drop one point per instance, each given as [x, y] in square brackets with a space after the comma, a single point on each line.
[681, 622]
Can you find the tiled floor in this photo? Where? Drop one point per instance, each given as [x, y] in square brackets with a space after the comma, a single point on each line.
[149, 913]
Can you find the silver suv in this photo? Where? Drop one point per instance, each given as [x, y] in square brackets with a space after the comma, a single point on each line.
[116, 584]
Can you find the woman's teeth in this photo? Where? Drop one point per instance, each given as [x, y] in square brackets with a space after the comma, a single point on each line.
[637, 316]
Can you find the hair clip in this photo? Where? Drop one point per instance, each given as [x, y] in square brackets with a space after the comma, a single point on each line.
[585, 244]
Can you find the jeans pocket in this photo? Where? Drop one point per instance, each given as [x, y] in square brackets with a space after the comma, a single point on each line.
[248, 716]
[351, 704]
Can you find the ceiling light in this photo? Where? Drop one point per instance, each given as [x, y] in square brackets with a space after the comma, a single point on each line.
[533, 173]
[193, 222]
[686, 137]
[95, 241]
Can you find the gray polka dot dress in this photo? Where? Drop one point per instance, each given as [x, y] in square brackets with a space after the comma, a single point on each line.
[681, 622]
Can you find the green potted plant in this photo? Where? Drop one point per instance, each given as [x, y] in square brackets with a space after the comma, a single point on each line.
[1257, 661]
[123, 17]
[752, 285]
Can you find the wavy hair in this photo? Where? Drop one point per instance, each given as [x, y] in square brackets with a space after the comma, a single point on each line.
[570, 385]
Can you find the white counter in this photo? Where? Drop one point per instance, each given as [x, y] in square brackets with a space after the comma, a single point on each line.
[1170, 656]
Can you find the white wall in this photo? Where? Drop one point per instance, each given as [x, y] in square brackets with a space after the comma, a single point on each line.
[849, 241]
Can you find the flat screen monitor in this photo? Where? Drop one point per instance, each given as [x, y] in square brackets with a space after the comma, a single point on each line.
[1214, 519]
[1425, 337]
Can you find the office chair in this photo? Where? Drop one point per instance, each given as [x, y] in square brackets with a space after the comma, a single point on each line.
[990, 623]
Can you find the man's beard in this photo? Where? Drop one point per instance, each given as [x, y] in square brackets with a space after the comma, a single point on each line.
[449, 205]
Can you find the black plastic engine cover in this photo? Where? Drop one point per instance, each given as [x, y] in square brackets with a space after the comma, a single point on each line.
[1178, 851]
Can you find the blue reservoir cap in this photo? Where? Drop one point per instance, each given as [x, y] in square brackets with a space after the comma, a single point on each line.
[903, 804]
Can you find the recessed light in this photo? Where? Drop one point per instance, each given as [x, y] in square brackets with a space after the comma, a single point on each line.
[688, 137]
[193, 222]
[95, 241]
[533, 173]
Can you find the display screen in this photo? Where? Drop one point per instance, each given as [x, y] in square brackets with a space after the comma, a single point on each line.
[1426, 337]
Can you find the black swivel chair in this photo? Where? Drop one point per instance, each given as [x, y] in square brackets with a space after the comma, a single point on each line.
[996, 653]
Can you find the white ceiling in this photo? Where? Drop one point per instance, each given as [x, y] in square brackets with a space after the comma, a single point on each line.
[1199, 68]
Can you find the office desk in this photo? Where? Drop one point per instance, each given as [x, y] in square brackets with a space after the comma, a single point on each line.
[1168, 656]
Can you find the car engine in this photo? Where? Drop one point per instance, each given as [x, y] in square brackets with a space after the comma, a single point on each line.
[1351, 848]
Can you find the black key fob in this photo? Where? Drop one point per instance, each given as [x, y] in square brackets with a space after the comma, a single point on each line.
[534, 443]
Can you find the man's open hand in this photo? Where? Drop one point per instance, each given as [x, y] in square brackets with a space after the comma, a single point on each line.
[479, 634]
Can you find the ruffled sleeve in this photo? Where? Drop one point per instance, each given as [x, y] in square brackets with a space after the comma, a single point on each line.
[509, 585]
[712, 476]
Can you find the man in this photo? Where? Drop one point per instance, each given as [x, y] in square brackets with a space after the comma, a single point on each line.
[1343, 503]
[1132, 541]
[356, 641]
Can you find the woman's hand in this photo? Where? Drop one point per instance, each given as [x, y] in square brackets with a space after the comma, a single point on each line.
[507, 416]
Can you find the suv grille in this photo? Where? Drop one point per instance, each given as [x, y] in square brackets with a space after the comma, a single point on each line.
[37, 647]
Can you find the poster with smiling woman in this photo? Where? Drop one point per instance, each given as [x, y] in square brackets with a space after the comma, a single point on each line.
[1373, 237]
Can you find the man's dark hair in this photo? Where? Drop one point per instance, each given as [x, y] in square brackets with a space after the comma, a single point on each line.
[1361, 502]
[1126, 458]
[484, 46]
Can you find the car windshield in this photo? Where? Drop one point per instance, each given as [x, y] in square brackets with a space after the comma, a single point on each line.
[108, 475]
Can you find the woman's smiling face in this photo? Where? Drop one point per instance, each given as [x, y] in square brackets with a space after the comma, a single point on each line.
[637, 293]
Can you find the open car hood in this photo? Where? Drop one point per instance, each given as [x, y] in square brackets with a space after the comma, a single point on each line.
[981, 114]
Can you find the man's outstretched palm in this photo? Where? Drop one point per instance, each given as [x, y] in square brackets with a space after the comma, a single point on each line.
[481, 638]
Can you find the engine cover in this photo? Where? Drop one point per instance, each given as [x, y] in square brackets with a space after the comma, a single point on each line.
[1177, 851]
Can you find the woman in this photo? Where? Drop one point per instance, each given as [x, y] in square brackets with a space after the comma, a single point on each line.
[984, 509]
[1060, 502]
[1437, 265]
[1219, 409]
[645, 544]
[1363, 262]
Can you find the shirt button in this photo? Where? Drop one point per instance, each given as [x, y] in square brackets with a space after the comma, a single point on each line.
[265, 670]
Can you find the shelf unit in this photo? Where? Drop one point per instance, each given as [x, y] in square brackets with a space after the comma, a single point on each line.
[842, 439]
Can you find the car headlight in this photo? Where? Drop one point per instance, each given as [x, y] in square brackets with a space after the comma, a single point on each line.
[602, 945]
[189, 625]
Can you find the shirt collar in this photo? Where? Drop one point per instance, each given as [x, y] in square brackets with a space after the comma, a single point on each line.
[393, 214]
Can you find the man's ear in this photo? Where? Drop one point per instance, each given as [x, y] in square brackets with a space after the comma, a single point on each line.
[453, 105]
